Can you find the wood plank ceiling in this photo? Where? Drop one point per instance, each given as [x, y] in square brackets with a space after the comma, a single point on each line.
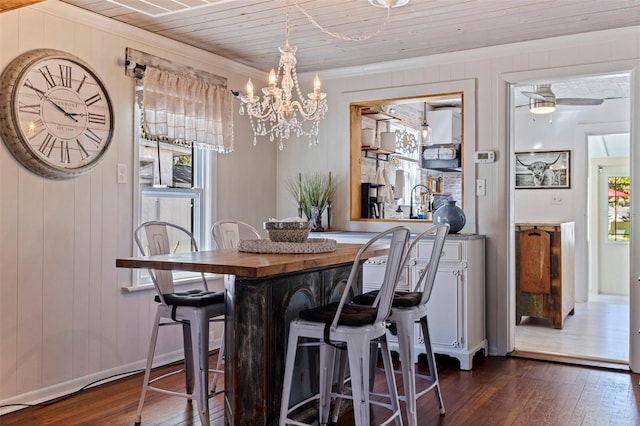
[249, 31]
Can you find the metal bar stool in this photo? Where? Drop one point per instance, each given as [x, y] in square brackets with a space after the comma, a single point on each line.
[407, 309]
[352, 328]
[192, 309]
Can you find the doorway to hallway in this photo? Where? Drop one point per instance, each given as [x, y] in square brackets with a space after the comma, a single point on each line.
[598, 333]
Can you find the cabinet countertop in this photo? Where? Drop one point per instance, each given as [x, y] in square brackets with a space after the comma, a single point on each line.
[342, 236]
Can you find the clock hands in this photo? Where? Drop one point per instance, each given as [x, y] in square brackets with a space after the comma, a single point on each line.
[58, 107]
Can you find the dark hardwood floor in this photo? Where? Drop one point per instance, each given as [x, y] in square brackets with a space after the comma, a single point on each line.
[498, 391]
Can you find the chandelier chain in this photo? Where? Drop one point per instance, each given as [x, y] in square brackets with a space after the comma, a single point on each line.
[340, 36]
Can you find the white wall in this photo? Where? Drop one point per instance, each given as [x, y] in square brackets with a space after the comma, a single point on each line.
[64, 319]
[542, 134]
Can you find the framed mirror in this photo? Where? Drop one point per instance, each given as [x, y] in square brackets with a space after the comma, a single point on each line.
[407, 156]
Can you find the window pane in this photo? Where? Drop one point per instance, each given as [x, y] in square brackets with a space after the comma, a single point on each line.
[618, 199]
[175, 168]
[177, 206]
[168, 209]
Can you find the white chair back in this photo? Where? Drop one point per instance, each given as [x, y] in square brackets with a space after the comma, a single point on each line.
[153, 238]
[428, 274]
[395, 260]
[228, 233]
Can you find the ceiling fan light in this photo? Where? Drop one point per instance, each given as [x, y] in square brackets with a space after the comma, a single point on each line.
[388, 3]
[537, 106]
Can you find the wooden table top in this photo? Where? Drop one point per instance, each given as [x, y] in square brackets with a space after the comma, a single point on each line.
[251, 265]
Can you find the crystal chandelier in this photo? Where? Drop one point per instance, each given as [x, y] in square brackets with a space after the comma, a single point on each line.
[277, 114]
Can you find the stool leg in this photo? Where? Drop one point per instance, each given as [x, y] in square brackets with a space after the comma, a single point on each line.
[200, 342]
[290, 360]
[216, 375]
[431, 362]
[147, 371]
[188, 358]
[391, 380]
[406, 349]
[358, 352]
[342, 372]
[327, 362]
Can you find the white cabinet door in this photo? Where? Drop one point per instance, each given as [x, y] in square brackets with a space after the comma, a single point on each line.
[455, 311]
[444, 310]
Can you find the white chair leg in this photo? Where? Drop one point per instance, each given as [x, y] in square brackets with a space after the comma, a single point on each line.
[217, 373]
[391, 380]
[147, 371]
[292, 347]
[358, 352]
[431, 362]
[342, 372]
[188, 358]
[406, 339]
[200, 345]
[327, 363]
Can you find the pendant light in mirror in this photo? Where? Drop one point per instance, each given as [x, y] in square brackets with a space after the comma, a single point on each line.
[425, 129]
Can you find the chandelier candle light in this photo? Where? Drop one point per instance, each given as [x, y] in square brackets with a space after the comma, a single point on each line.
[277, 113]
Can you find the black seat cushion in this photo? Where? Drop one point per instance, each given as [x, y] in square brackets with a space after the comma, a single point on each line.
[352, 315]
[194, 298]
[401, 299]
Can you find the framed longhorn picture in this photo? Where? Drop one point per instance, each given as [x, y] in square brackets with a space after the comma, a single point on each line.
[543, 169]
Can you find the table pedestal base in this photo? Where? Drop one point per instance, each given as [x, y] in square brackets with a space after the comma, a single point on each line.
[256, 330]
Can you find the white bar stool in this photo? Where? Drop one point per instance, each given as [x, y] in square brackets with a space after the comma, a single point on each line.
[407, 309]
[352, 328]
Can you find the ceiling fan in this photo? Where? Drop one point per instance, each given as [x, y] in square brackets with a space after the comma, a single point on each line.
[543, 101]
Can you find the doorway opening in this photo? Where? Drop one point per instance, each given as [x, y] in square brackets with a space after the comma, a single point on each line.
[597, 331]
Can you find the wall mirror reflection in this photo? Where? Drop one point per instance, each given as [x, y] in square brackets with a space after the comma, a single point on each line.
[406, 156]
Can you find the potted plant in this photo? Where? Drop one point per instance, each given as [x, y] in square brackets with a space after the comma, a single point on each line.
[313, 192]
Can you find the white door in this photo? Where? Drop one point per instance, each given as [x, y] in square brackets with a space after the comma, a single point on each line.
[613, 228]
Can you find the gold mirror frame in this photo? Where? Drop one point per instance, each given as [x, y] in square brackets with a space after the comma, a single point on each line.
[356, 148]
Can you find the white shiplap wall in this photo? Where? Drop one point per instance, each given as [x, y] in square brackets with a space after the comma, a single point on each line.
[63, 317]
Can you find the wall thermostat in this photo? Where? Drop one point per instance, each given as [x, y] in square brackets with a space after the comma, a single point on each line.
[485, 156]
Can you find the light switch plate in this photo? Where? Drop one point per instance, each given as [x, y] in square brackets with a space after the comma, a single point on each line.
[481, 187]
[122, 173]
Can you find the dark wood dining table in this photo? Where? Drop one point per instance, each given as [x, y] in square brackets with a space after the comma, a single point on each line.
[264, 292]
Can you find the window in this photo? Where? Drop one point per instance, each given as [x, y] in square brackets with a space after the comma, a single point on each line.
[618, 207]
[185, 117]
[174, 186]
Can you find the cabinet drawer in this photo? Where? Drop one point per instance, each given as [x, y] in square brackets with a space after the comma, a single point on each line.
[373, 274]
[452, 251]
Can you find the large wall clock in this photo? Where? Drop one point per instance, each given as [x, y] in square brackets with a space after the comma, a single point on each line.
[56, 117]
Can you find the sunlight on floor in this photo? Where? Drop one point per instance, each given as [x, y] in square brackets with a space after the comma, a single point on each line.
[599, 330]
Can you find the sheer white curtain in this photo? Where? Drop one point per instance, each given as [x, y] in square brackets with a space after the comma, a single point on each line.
[186, 109]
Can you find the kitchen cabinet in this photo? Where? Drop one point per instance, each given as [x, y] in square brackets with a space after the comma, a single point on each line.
[446, 127]
[456, 309]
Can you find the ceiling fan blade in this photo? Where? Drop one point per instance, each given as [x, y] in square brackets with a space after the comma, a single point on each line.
[534, 95]
[579, 101]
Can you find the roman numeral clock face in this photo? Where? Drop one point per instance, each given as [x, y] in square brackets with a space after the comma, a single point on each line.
[55, 114]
